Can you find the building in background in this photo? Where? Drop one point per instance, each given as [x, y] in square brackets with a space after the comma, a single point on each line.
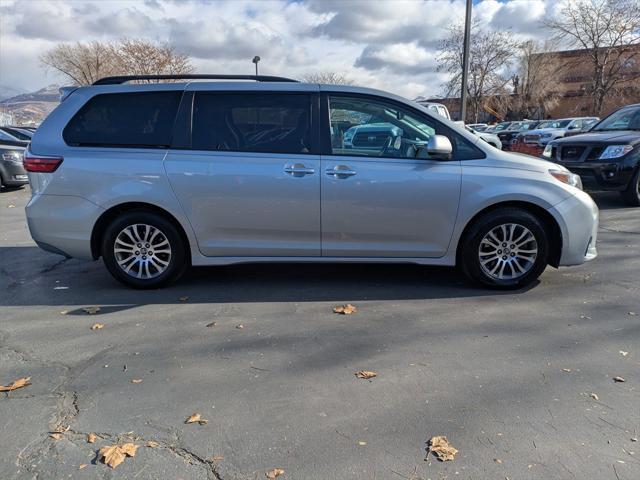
[575, 96]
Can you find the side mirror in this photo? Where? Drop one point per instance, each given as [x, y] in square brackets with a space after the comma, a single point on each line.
[439, 147]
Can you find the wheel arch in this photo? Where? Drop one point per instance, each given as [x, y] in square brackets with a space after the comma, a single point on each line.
[550, 223]
[110, 214]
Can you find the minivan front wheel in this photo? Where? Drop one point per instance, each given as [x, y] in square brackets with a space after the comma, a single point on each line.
[506, 248]
[143, 250]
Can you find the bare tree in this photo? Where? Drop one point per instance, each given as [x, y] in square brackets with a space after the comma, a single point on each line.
[608, 29]
[492, 53]
[327, 77]
[84, 63]
[538, 76]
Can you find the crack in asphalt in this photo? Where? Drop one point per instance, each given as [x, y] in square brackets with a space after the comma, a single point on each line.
[68, 409]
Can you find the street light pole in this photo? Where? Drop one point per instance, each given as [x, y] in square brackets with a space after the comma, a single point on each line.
[255, 60]
[465, 63]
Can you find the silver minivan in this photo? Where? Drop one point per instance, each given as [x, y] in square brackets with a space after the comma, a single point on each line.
[216, 170]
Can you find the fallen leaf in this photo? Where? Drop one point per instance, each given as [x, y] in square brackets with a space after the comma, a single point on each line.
[114, 455]
[84, 465]
[347, 309]
[152, 444]
[240, 327]
[91, 437]
[623, 353]
[16, 384]
[64, 312]
[275, 473]
[362, 444]
[566, 370]
[594, 396]
[97, 326]
[366, 374]
[136, 380]
[196, 418]
[55, 435]
[619, 379]
[91, 310]
[498, 461]
[217, 458]
[633, 313]
[441, 448]
[634, 439]
[11, 205]
[183, 299]
[212, 324]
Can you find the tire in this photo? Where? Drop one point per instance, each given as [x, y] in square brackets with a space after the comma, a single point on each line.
[522, 266]
[146, 268]
[631, 195]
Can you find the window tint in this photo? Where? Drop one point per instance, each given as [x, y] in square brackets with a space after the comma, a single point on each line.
[252, 122]
[143, 119]
[362, 126]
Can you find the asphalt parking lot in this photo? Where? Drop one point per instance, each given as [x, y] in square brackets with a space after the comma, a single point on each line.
[521, 382]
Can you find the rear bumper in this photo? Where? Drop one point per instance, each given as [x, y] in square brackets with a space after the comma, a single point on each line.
[578, 217]
[63, 224]
[13, 174]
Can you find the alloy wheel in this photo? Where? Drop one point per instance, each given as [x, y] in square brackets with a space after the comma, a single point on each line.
[142, 251]
[508, 251]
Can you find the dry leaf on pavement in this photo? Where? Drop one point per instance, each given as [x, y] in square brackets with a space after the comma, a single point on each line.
[91, 310]
[19, 383]
[366, 374]
[212, 324]
[240, 327]
[633, 313]
[91, 437]
[152, 444]
[83, 465]
[623, 353]
[441, 448]
[594, 396]
[498, 461]
[97, 326]
[619, 379]
[566, 370]
[196, 418]
[347, 309]
[274, 473]
[56, 435]
[136, 380]
[217, 458]
[114, 455]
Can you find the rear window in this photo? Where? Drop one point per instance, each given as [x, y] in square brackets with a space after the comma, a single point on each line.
[141, 119]
[252, 122]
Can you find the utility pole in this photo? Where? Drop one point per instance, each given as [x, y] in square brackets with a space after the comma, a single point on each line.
[255, 60]
[465, 63]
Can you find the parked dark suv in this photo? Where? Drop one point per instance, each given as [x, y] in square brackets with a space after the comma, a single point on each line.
[608, 156]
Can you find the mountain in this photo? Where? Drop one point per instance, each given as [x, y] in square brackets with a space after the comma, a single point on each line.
[31, 108]
[8, 92]
[46, 94]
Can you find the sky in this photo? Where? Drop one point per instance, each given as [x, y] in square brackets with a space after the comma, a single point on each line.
[386, 44]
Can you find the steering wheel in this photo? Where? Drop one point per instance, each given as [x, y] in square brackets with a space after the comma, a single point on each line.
[387, 145]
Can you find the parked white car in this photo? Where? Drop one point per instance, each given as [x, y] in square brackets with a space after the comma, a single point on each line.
[552, 129]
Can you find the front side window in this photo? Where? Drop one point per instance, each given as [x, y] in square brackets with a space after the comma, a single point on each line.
[139, 119]
[252, 122]
[625, 119]
[362, 126]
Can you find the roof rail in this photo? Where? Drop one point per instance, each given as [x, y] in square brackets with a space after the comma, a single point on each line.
[117, 80]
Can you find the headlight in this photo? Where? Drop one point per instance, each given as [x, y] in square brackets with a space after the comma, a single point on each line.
[567, 177]
[547, 151]
[615, 151]
[12, 156]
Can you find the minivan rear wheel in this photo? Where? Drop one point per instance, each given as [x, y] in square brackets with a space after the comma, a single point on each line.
[506, 248]
[143, 250]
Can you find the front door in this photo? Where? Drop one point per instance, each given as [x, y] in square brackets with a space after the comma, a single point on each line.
[378, 199]
[250, 182]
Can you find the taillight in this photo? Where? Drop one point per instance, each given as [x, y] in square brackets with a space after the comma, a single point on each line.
[41, 163]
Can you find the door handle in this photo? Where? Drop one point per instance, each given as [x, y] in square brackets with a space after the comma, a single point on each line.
[298, 170]
[340, 171]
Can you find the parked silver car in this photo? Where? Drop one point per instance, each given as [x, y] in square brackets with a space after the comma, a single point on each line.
[156, 177]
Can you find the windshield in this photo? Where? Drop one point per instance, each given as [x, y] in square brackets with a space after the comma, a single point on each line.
[501, 126]
[625, 119]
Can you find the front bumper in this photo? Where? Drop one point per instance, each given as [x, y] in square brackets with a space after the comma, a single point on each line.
[578, 218]
[602, 176]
